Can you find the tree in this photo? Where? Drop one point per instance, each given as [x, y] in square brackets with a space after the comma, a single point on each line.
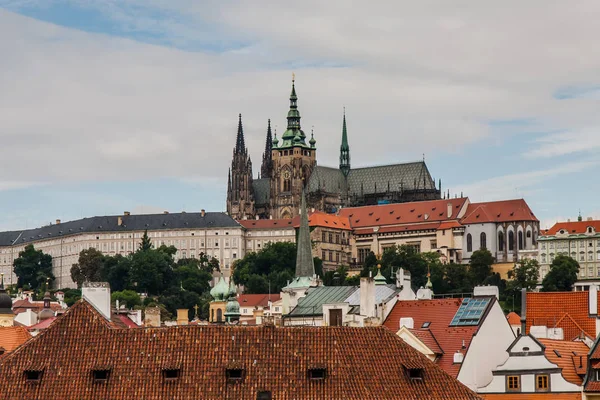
[146, 244]
[273, 266]
[457, 279]
[562, 275]
[117, 272]
[127, 298]
[90, 267]
[33, 268]
[152, 270]
[524, 275]
[71, 296]
[480, 266]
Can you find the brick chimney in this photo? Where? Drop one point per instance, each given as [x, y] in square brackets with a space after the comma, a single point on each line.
[182, 316]
[152, 317]
[126, 213]
[58, 222]
[202, 212]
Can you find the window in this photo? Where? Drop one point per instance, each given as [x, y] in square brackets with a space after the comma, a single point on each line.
[264, 395]
[520, 240]
[469, 243]
[322, 236]
[323, 255]
[501, 241]
[482, 241]
[170, 374]
[542, 383]
[33, 376]
[317, 374]
[513, 383]
[596, 375]
[235, 374]
[362, 254]
[426, 324]
[330, 237]
[100, 375]
[511, 241]
[415, 373]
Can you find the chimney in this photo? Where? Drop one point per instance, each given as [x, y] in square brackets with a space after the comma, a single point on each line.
[258, 314]
[458, 357]
[119, 221]
[593, 300]
[367, 297]
[589, 219]
[182, 316]
[523, 311]
[424, 294]
[486, 291]
[58, 222]
[126, 213]
[449, 208]
[98, 295]
[165, 212]
[152, 317]
[202, 212]
[407, 322]
[257, 217]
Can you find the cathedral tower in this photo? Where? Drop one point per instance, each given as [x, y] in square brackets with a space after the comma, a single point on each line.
[293, 162]
[266, 168]
[345, 150]
[240, 194]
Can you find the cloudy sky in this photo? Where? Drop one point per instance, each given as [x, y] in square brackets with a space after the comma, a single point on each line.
[113, 105]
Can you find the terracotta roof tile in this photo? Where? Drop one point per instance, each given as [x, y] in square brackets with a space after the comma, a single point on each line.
[319, 218]
[566, 310]
[253, 300]
[12, 337]
[42, 325]
[513, 318]
[572, 360]
[20, 306]
[439, 313]
[273, 359]
[574, 227]
[427, 338]
[498, 211]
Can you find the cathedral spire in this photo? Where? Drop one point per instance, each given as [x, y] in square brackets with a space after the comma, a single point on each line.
[305, 266]
[293, 136]
[240, 145]
[345, 149]
[267, 163]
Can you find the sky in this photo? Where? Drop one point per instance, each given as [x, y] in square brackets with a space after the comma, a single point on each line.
[132, 105]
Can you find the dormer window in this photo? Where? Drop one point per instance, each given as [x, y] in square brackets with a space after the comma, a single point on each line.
[415, 374]
[100, 375]
[235, 374]
[317, 374]
[33, 376]
[171, 374]
[264, 395]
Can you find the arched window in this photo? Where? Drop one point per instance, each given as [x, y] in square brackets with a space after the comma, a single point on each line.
[469, 243]
[287, 185]
[219, 315]
[500, 241]
[520, 240]
[482, 241]
[511, 241]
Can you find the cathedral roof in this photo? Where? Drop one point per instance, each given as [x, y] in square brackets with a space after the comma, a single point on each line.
[262, 190]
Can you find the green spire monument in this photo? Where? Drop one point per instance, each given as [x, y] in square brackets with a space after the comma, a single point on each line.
[345, 150]
[293, 136]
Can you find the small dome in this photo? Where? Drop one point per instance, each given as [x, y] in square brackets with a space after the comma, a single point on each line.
[232, 307]
[312, 141]
[380, 279]
[220, 291]
[275, 141]
[5, 300]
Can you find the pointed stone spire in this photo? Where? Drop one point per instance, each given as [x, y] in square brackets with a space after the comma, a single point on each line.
[267, 162]
[229, 184]
[305, 266]
[345, 149]
[240, 145]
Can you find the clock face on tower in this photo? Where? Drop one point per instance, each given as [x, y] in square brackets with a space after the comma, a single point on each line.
[286, 175]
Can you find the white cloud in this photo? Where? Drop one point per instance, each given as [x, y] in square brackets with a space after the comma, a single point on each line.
[566, 143]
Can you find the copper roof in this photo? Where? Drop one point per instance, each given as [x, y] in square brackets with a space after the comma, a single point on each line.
[360, 363]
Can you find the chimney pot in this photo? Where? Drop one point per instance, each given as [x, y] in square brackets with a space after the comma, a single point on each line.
[126, 213]
[119, 221]
[57, 221]
[165, 212]
[458, 357]
[182, 316]
[590, 218]
[202, 212]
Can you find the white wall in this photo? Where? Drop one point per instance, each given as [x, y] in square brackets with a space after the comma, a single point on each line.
[487, 349]
[475, 231]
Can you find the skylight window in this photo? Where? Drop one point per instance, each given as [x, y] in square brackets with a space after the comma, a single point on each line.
[171, 374]
[557, 353]
[426, 324]
[470, 312]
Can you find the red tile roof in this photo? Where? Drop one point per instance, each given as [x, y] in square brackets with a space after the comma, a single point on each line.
[439, 313]
[319, 218]
[254, 300]
[574, 227]
[273, 359]
[20, 306]
[403, 213]
[572, 360]
[42, 325]
[12, 337]
[513, 318]
[427, 338]
[498, 211]
[566, 310]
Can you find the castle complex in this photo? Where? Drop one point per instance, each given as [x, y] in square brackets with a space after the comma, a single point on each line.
[290, 165]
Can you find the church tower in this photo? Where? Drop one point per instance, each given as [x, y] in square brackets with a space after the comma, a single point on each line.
[266, 168]
[240, 196]
[345, 150]
[293, 162]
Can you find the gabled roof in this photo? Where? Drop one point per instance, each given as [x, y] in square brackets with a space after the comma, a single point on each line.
[574, 227]
[257, 300]
[312, 303]
[272, 359]
[42, 324]
[498, 211]
[513, 318]
[319, 218]
[426, 337]
[566, 310]
[570, 356]
[439, 314]
[20, 306]
[12, 337]
[398, 214]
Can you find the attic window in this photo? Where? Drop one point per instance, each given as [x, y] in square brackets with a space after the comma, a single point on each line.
[557, 353]
[391, 212]
[426, 324]
[317, 374]
[412, 210]
[376, 219]
[171, 374]
[371, 213]
[235, 374]
[33, 376]
[415, 374]
[100, 375]
[264, 395]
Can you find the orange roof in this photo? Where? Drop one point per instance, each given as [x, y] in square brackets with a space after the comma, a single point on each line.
[403, 213]
[399, 228]
[254, 300]
[573, 227]
[513, 318]
[566, 310]
[532, 396]
[20, 306]
[572, 359]
[12, 337]
[427, 338]
[498, 211]
[319, 218]
[449, 225]
[439, 313]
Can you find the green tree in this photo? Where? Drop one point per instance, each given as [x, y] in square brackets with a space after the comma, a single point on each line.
[146, 243]
[128, 298]
[33, 268]
[117, 272]
[562, 275]
[273, 266]
[457, 279]
[71, 296]
[192, 277]
[480, 266]
[90, 267]
[152, 270]
[524, 275]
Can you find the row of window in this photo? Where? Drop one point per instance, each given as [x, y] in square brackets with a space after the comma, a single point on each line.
[330, 237]
[542, 383]
[501, 241]
[330, 255]
[591, 256]
[582, 244]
